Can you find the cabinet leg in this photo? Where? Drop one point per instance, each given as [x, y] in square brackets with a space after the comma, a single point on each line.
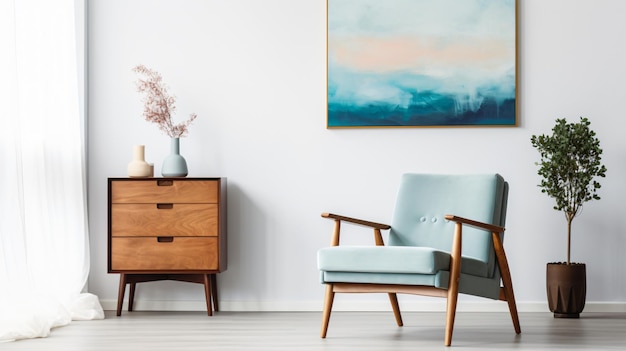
[131, 297]
[214, 292]
[208, 280]
[120, 293]
[207, 293]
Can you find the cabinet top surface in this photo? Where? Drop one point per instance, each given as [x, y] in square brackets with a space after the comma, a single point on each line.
[167, 178]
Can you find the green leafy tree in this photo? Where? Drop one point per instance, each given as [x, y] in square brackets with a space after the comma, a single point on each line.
[570, 164]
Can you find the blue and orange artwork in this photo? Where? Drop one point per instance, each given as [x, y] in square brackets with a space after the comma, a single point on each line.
[421, 63]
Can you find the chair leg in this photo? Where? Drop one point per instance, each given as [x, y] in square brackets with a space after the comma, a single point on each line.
[393, 298]
[328, 306]
[506, 294]
[453, 284]
[507, 282]
[453, 294]
[510, 299]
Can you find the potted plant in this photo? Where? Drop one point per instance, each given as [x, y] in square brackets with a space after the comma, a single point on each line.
[569, 167]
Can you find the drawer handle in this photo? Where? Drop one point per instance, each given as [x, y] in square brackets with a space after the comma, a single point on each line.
[162, 182]
[165, 206]
[165, 239]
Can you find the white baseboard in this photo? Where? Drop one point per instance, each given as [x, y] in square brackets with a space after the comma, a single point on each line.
[351, 306]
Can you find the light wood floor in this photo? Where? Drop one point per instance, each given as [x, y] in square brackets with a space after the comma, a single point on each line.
[299, 331]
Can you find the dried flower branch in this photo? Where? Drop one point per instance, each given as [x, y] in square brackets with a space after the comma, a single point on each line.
[158, 104]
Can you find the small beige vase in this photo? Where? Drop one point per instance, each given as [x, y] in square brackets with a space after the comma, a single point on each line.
[138, 167]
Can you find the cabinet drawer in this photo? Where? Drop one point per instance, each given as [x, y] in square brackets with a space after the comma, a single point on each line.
[164, 219]
[147, 254]
[164, 191]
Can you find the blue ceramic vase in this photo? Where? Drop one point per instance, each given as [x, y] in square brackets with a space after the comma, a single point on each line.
[174, 164]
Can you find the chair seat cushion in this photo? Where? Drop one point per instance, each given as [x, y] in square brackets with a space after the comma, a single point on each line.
[383, 259]
[393, 259]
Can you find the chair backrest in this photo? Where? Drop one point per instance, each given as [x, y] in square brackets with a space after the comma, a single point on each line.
[424, 199]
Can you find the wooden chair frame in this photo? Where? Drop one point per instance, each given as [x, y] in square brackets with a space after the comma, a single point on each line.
[506, 290]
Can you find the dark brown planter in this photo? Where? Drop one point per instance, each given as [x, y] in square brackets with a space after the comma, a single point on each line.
[567, 288]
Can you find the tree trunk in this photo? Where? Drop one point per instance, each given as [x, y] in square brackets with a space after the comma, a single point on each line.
[569, 237]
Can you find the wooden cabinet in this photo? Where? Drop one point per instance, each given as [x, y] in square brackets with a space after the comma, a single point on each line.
[167, 229]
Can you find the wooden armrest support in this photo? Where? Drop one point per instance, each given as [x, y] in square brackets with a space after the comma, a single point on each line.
[356, 221]
[480, 225]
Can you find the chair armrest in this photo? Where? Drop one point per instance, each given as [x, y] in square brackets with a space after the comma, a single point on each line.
[455, 252]
[480, 225]
[356, 221]
[338, 219]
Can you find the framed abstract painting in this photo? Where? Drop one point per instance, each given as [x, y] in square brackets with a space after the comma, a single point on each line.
[417, 63]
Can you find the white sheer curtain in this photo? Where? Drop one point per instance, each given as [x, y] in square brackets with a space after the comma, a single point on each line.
[44, 247]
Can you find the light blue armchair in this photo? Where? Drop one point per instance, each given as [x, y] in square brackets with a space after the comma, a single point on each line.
[445, 238]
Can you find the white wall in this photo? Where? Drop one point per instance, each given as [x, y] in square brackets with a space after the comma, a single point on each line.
[254, 72]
